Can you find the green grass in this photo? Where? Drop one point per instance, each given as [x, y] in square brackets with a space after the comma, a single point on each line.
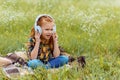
[84, 27]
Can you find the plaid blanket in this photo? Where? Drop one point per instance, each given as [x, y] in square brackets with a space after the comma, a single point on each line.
[13, 72]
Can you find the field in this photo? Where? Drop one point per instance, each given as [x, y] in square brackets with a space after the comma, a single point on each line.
[85, 27]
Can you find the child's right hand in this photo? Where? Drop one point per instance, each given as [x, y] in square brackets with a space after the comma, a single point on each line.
[37, 36]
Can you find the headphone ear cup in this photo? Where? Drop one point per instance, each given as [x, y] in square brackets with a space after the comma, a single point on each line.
[38, 29]
[54, 28]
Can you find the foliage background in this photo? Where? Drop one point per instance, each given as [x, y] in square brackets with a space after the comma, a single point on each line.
[85, 27]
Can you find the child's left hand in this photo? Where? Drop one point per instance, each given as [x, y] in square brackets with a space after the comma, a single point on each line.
[55, 37]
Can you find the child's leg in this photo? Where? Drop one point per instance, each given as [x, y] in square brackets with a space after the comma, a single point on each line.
[4, 61]
[59, 61]
[35, 63]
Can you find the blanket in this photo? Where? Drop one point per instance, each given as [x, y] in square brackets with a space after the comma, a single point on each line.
[19, 67]
[13, 72]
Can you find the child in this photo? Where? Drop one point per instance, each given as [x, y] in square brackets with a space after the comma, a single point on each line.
[43, 48]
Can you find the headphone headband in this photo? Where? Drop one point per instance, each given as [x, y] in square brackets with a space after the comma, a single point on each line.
[39, 16]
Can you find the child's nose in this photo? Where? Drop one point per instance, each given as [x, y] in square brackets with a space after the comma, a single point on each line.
[50, 31]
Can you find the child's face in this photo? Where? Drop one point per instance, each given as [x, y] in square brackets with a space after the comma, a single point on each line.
[47, 30]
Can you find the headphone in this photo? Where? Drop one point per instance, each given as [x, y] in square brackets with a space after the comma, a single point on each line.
[38, 28]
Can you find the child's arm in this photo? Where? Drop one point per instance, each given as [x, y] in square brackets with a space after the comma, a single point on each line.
[56, 51]
[34, 52]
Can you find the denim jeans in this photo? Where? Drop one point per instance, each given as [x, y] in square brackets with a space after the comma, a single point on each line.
[52, 63]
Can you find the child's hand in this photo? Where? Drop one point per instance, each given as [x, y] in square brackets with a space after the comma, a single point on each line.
[37, 36]
[55, 37]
